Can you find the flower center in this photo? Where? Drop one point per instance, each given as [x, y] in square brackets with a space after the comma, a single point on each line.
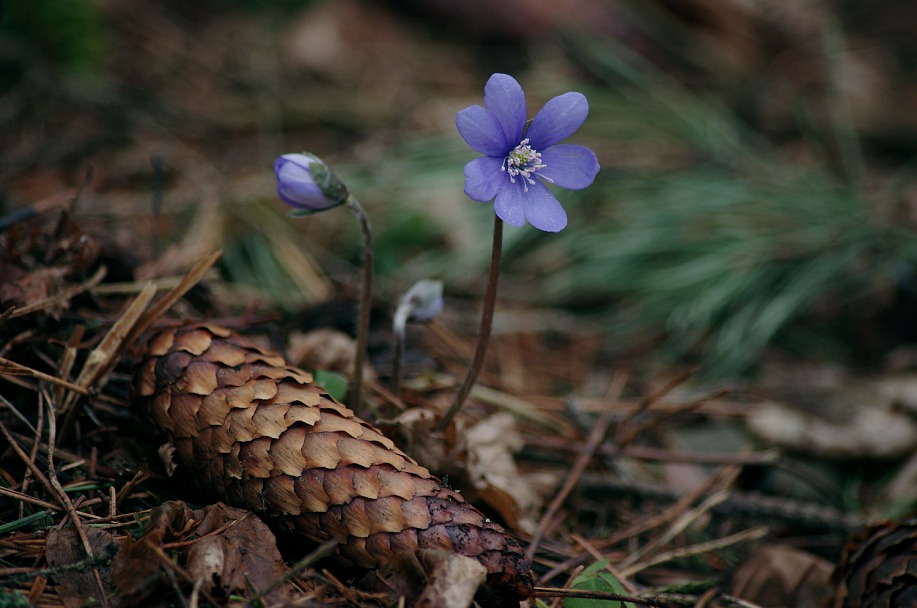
[523, 162]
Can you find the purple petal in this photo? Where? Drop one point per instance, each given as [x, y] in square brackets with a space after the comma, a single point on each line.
[510, 203]
[483, 178]
[481, 129]
[569, 166]
[295, 185]
[542, 210]
[504, 97]
[557, 120]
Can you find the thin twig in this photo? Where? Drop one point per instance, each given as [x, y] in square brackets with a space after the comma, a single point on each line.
[594, 595]
[17, 369]
[65, 500]
[676, 528]
[745, 536]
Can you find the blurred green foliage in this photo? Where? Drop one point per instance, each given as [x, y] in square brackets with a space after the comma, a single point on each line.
[69, 34]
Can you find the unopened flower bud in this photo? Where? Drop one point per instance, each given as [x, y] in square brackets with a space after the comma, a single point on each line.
[424, 300]
[306, 183]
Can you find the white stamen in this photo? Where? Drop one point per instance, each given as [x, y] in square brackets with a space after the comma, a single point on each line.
[523, 161]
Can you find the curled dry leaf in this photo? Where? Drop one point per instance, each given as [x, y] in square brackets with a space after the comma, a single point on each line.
[74, 572]
[778, 575]
[490, 445]
[232, 549]
[429, 578]
[136, 570]
[243, 555]
[259, 434]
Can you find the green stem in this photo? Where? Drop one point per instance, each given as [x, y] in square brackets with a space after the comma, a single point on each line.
[366, 289]
[487, 317]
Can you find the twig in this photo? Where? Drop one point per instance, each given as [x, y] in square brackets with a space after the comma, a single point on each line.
[675, 529]
[758, 505]
[25, 459]
[102, 357]
[33, 454]
[65, 500]
[594, 595]
[582, 461]
[17, 369]
[626, 433]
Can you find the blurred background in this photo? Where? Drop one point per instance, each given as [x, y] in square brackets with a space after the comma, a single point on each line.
[757, 199]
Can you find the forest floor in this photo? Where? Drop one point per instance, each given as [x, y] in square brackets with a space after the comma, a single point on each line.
[139, 194]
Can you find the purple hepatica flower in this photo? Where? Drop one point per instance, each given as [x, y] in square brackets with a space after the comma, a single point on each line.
[519, 160]
[307, 184]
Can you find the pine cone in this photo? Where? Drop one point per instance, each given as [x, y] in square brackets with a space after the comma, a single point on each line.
[880, 571]
[257, 433]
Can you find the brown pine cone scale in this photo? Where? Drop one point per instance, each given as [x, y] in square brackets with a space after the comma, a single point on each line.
[257, 433]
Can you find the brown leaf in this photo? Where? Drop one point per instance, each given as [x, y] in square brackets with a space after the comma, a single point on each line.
[136, 570]
[490, 445]
[243, 555]
[429, 578]
[76, 581]
[783, 576]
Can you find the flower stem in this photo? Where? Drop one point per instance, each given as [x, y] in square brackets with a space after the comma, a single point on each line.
[487, 317]
[366, 289]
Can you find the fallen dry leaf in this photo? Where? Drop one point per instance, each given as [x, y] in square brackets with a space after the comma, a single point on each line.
[871, 432]
[242, 556]
[77, 586]
[136, 569]
[429, 578]
[783, 576]
[490, 445]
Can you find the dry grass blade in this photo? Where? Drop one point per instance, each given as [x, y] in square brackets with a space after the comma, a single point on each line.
[11, 368]
[104, 356]
[676, 528]
[190, 280]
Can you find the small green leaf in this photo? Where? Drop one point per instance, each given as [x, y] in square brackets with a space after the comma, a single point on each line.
[597, 578]
[335, 384]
